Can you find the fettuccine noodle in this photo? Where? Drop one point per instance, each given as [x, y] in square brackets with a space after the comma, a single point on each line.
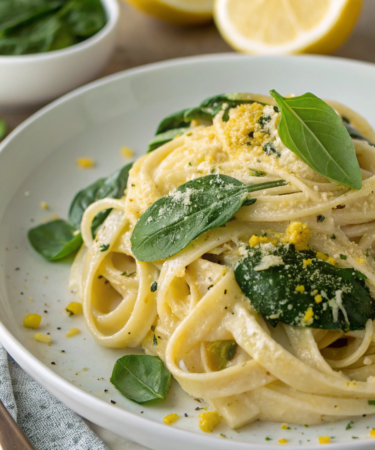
[298, 375]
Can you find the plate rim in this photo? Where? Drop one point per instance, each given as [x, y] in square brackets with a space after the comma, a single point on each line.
[62, 388]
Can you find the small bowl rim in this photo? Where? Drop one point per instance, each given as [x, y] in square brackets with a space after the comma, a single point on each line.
[112, 9]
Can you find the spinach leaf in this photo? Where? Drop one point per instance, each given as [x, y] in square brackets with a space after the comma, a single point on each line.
[3, 129]
[16, 12]
[141, 378]
[207, 110]
[36, 26]
[313, 131]
[197, 206]
[84, 17]
[111, 187]
[173, 121]
[37, 37]
[163, 138]
[55, 240]
[355, 134]
[317, 295]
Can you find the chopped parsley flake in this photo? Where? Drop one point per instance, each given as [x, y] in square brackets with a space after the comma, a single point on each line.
[320, 218]
[104, 247]
[350, 425]
[154, 286]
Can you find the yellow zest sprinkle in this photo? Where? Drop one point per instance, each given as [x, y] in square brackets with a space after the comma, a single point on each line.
[307, 262]
[72, 332]
[44, 205]
[332, 260]
[32, 321]
[127, 152]
[360, 260]
[309, 315]
[322, 256]
[284, 427]
[282, 441]
[324, 440]
[54, 217]
[74, 309]
[300, 288]
[209, 421]
[46, 338]
[171, 418]
[211, 136]
[257, 240]
[298, 234]
[318, 298]
[85, 163]
[372, 433]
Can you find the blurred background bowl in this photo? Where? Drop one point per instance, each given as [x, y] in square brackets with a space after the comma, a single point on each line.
[33, 80]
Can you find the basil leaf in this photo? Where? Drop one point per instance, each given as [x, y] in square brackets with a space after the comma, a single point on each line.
[273, 292]
[141, 378]
[111, 187]
[197, 206]
[3, 129]
[207, 110]
[163, 138]
[315, 133]
[55, 240]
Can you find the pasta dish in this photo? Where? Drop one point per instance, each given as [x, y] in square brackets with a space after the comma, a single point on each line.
[244, 260]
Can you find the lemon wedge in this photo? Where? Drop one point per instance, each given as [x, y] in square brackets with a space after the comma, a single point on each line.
[177, 12]
[286, 26]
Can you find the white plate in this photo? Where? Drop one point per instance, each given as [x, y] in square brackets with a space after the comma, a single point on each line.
[95, 121]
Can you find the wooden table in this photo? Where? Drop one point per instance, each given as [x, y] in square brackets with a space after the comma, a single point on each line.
[143, 40]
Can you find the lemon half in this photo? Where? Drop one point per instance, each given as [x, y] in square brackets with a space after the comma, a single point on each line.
[286, 26]
[178, 12]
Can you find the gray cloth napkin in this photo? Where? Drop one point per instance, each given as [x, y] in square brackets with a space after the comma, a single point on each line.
[48, 423]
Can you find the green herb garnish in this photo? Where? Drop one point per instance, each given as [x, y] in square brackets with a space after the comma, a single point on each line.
[163, 138]
[55, 240]
[141, 378]
[154, 286]
[350, 425]
[320, 218]
[3, 129]
[58, 239]
[344, 257]
[197, 206]
[311, 129]
[273, 293]
[219, 353]
[104, 247]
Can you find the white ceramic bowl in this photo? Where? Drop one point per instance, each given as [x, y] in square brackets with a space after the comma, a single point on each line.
[33, 80]
[38, 159]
